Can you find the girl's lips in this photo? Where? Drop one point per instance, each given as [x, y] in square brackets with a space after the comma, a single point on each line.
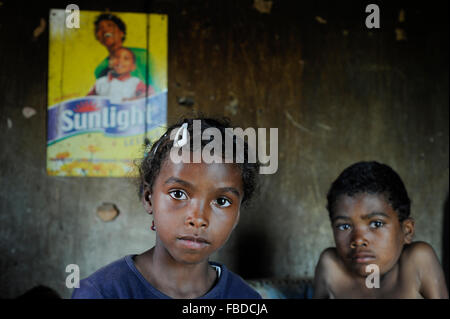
[192, 242]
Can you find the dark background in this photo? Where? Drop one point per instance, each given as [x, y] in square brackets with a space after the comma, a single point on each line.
[337, 92]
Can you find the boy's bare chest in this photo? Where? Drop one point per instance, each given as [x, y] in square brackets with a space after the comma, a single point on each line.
[398, 292]
[400, 286]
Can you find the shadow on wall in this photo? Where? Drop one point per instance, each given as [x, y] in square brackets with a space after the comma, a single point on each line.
[445, 241]
[40, 292]
[254, 254]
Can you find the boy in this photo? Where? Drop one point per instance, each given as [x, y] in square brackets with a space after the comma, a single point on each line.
[369, 210]
[118, 84]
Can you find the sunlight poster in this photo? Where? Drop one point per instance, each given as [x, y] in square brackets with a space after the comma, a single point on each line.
[107, 91]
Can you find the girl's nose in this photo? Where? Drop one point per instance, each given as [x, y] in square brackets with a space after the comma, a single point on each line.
[198, 217]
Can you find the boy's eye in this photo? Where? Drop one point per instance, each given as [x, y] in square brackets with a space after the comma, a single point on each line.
[223, 202]
[343, 226]
[376, 224]
[177, 194]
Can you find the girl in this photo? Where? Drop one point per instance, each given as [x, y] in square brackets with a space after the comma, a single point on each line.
[195, 207]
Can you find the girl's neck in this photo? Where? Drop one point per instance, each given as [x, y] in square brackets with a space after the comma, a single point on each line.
[175, 279]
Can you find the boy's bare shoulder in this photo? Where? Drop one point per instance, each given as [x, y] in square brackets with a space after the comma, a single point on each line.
[416, 258]
[329, 254]
[418, 252]
[329, 260]
[324, 278]
[420, 259]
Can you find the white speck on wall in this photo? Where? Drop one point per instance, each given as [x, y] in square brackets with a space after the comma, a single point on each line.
[232, 107]
[9, 123]
[28, 112]
[321, 20]
[295, 123]
[263, 6]
[324, 126]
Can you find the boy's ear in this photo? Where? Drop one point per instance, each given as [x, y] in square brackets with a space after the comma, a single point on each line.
[408, 229]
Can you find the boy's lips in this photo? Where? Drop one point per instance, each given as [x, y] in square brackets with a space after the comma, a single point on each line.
[193, 242]
[362, 257]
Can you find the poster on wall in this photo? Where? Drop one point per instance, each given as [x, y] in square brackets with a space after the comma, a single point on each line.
[107, 91]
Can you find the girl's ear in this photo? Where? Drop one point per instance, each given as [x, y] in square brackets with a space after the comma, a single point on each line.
[408, 229]
[147, 200]
[237, 220]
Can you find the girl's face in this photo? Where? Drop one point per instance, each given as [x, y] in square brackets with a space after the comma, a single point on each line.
[195, 207]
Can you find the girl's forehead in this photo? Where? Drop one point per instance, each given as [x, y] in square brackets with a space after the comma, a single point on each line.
[204, 173]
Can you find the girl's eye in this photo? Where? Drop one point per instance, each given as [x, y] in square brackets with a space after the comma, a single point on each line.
[177, 194]
[343, 226]
[223, 202]
[376, 224]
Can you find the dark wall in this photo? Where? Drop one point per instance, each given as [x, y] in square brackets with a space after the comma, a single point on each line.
[337, 92]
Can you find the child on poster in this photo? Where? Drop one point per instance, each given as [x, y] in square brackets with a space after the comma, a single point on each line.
[119, 85]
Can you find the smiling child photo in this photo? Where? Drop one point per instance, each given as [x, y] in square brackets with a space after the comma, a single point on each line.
[119, 85]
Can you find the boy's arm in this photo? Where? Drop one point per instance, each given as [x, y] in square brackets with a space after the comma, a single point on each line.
[320, 282]
[431, 275]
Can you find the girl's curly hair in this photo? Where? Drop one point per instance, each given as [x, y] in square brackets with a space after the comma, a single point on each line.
[150, 165]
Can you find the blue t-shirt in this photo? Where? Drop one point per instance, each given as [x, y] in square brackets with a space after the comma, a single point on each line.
[122, 280]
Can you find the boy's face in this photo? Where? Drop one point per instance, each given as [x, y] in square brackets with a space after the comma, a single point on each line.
[367, 231]
[195, 207]
[109, 34]
[122, 61]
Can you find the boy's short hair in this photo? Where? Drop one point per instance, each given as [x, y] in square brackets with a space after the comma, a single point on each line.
[108, 16]
[372, 178]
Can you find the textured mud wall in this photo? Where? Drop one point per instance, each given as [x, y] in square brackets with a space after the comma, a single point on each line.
[337, 92]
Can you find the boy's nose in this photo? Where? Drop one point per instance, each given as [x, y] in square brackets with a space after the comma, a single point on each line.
[198, 216]
[358, 240]
[358, 243]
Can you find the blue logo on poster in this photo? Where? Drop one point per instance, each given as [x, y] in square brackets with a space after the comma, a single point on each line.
[97, 114]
